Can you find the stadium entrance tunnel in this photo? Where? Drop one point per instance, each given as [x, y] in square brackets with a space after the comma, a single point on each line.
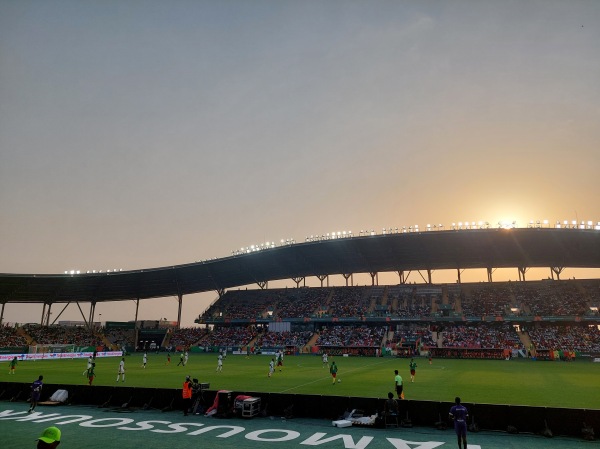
[521, 419]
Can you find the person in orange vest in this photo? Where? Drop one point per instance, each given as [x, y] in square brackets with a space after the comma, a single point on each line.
[187, 395]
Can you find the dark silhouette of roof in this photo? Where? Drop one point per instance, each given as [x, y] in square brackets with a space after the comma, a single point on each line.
[435, 250]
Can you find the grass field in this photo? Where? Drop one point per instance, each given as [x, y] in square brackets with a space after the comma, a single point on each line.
[518, 382]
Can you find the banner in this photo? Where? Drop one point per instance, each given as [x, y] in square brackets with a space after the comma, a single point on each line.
[58, 355]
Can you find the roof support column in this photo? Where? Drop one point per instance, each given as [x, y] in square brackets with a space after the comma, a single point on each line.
[137, 308]
[82, 315]
[48, 313]
[374, 278]
[458, 273]
[61, 312]
[298, 280]
[2, 312]
[401, 276]
[346, 276]
[557, 271]
[43, 315]
[428, 280]
[522, 271]
[92, 313]
[180, 301]
[263, 284]
[489, 274]
[322, 277]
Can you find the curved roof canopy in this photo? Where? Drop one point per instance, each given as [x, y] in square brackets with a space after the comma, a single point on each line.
[436, 250]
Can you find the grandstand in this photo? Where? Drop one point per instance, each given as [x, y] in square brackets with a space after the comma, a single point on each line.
[483, 320]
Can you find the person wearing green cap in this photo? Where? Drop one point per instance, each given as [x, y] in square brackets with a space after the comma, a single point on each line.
[49, 439]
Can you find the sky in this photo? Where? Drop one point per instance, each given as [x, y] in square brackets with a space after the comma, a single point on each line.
[138, 134]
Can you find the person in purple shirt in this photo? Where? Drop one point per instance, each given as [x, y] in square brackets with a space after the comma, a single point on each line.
[36, 392]
[459, 414]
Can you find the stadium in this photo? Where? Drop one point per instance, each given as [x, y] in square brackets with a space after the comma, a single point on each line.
[459, 333]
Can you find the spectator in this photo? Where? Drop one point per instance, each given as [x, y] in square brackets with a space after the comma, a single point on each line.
[49, 439]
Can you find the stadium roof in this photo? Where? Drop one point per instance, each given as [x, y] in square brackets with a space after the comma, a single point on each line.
[436, 250]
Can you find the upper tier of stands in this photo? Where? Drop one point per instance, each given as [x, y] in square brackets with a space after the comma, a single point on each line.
[418, 302]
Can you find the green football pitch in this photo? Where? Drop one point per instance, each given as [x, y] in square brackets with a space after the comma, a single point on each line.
[516, 382]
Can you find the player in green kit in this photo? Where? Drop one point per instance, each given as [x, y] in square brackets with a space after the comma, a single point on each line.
[333, 369]
[413, 366]
[91, 374]
[12, 366]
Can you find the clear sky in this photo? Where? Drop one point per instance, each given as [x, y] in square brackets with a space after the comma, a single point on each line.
[139, 134]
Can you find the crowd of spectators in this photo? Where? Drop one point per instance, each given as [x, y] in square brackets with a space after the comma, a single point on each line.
[120, 337]
[242, 305]
[351, 336]
[592, 292]
[187, 336]
[551, 298]
[486, 301]
[349, 302]
[411, 334]
[233, 336]
[303, 303]
[61, 335]
[540, 298]
[9, 337]
[566, 338]
[280, 339]
[413, 306]
[489, 336]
